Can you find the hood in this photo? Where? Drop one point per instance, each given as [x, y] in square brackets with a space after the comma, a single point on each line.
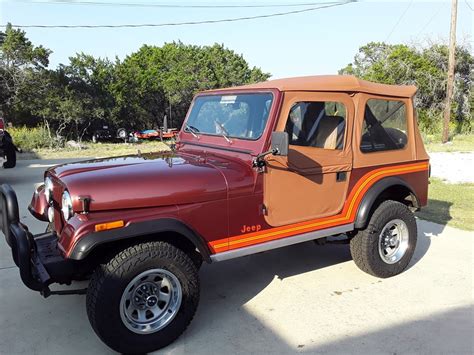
[147, 180]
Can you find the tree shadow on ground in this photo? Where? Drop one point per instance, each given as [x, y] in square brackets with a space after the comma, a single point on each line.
[228, 286]
[443, 333]
[27, 155]
[436, 211]
[225, 323]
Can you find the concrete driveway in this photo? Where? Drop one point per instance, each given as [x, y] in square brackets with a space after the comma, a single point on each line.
[304, 298]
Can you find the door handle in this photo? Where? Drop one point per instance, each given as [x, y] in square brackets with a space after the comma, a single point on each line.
[341, 176]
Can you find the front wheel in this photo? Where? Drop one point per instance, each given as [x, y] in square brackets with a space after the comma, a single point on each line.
[385, 247]
[144, 298]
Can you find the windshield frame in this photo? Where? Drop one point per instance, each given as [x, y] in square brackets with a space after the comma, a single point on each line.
[238, 143]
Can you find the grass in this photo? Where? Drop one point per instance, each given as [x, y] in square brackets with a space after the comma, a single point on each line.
[451, 204]
[97, 150]
[459, 143]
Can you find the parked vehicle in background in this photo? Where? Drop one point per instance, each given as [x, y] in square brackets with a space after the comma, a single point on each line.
[107, 133]
[255, 168]
[7, 147]
[151, 134]
[163, 133]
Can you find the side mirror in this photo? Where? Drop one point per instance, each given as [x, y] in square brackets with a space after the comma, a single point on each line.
[280, 143]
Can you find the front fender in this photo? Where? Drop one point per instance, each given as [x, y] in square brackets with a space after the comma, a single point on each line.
[39, 205]
[90, 241]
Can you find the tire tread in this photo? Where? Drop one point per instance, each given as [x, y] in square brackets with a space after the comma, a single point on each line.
[365, 241]
[123, 263]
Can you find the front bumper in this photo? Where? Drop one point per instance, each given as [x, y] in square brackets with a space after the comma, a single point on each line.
[37, 256]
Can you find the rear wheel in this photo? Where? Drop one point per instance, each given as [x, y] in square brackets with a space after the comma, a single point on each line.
[144, 298]
[385, 247]
[122, 134]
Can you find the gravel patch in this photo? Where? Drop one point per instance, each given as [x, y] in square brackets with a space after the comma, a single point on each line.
[455, 167]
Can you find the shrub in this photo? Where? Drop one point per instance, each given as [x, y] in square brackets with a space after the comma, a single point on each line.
[29, 138]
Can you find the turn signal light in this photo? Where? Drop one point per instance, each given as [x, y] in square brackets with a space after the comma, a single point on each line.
[110, 225]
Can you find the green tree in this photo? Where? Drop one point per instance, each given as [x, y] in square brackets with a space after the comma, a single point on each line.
[88, 88]
[88, 92]
[20, 60]
[72, 99]
[427, 69]
[154, 79]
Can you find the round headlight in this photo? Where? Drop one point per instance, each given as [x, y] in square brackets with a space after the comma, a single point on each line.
[66, 205]
[48, 189]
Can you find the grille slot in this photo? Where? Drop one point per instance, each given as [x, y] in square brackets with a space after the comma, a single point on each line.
[58, 190]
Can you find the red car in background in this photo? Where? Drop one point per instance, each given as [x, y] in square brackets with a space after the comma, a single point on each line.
[162, 133]
[156, 134]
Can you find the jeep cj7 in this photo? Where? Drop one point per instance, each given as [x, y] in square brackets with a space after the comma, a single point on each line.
[255, 168]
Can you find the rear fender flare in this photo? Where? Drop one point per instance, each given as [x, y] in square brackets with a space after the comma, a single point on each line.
[363, 211]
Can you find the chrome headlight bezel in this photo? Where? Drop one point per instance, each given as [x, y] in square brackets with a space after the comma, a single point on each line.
[66, 205]
[48, 189]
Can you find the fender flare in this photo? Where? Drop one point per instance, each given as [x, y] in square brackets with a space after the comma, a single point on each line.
[365, 206]
[89, 242]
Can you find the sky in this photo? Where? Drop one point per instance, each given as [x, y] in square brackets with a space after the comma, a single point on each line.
[311, 43]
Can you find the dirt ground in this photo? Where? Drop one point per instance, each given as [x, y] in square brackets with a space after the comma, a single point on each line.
[455, 167]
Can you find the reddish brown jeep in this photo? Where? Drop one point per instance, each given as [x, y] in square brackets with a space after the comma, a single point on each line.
[255, 168]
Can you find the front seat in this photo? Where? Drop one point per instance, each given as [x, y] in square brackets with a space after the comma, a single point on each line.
[330, 133]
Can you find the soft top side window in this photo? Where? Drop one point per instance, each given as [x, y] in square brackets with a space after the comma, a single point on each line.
[319, 124]
[385, 126]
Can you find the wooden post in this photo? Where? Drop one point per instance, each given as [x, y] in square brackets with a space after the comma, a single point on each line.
[451, 63]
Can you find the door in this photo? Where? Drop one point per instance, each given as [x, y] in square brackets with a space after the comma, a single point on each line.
[312, 181]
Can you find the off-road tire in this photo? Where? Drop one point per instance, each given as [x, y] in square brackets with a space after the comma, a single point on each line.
[197, 259]
[10, 155]
[364, 245]
[122, 134]
[109, 281]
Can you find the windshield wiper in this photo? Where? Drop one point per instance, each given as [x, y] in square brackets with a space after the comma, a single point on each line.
[192, 130]
[226, 138]
[224, 133]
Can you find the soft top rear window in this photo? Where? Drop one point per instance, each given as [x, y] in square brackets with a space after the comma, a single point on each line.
[385, 126]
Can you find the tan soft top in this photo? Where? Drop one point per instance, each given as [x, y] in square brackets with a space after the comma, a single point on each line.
[346, 83]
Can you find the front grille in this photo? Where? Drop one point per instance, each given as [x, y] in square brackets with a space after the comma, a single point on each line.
[58, 190]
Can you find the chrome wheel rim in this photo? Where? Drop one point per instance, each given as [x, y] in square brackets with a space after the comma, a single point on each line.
[393, 241]
[150, 301]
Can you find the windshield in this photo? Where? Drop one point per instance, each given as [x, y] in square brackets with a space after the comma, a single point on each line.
[231, 116]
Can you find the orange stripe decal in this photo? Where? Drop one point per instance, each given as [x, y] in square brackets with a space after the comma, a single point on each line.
[347, 214]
